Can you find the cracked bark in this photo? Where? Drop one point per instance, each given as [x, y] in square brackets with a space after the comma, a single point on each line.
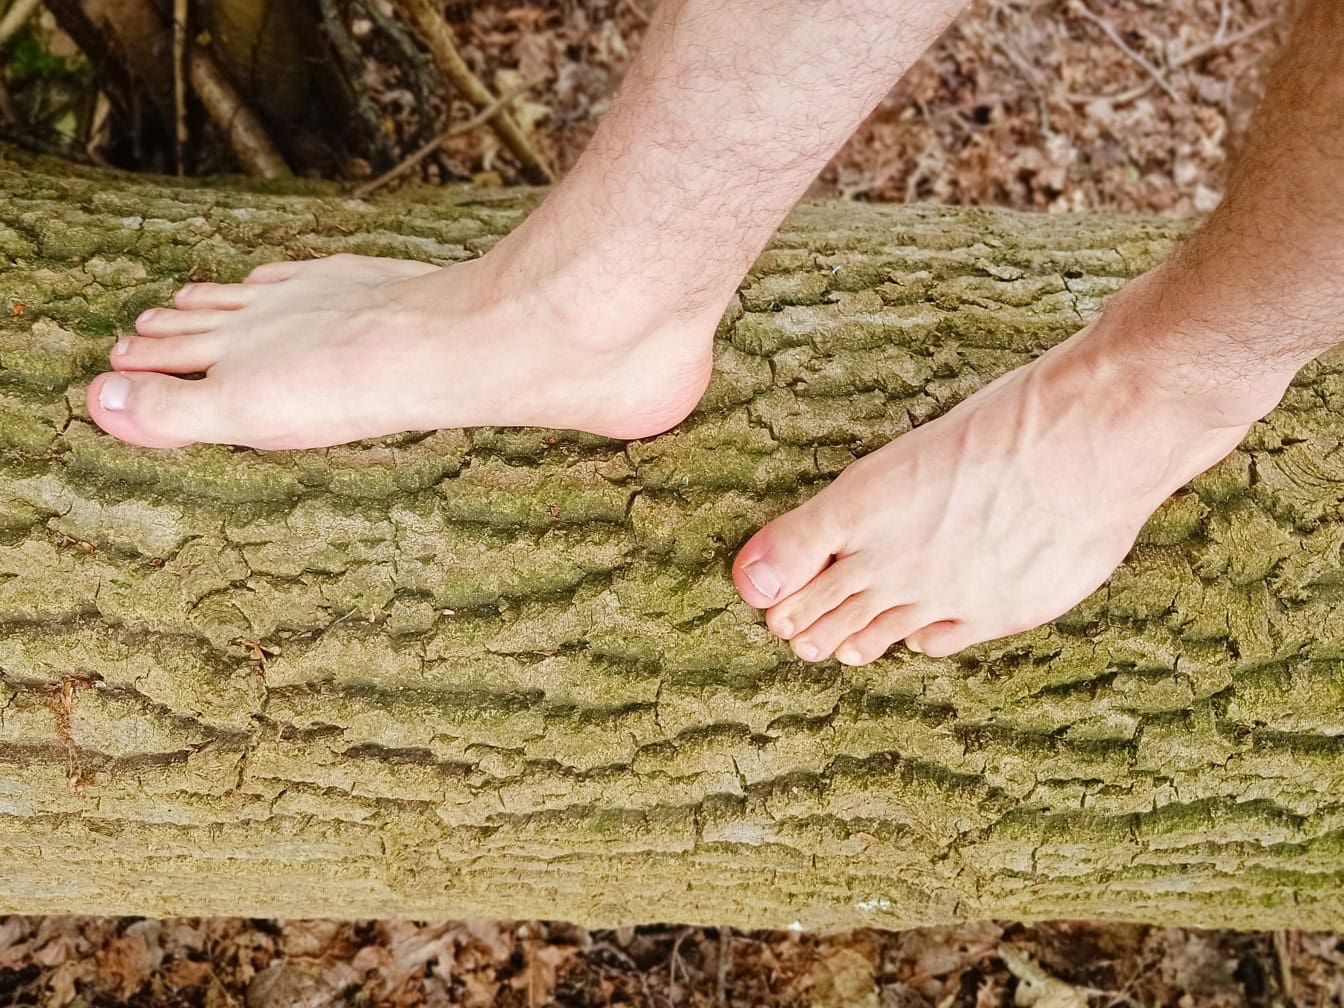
[513, 678]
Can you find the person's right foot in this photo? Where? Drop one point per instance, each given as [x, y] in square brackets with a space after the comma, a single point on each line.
[1004, 513]
[308, 354]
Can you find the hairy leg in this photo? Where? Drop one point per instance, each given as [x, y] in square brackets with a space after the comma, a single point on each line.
[1018, 503]
[601, 305]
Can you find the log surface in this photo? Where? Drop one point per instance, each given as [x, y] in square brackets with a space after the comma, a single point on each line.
[504, 672]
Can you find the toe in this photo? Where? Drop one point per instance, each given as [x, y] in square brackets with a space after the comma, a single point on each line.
[946, 637]
[169, 322]
[172, 355]
[874, 640]
[819, 596]
[272, 272]
[224, 297]
[819, 641]
[785, 555]
[154, 410]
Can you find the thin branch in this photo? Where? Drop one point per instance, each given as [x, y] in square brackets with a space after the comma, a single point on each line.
[428, 20]
[247, 137]
[724, 964]
[16, 17]
[1220, 42]
[408, 165]
[1184, 59]
[180, 80]
[1080, 7]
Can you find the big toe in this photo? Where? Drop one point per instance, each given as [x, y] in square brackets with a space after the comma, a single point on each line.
[786, 554]
[154, 410]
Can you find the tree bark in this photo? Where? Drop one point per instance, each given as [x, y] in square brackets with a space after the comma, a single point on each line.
[504, 672]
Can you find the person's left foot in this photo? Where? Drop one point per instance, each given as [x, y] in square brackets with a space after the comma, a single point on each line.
[998, 517]
[316, 353]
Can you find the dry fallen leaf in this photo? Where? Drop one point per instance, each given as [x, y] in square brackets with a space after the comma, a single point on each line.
[1037, 988]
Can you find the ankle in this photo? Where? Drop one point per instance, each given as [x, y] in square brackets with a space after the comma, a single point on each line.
[1159, 345]
[605, 290]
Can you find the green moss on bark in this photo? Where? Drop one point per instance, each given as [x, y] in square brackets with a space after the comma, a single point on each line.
[505, 672]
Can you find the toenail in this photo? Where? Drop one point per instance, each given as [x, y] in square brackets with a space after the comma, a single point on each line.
[848, 656]
[914, 647]
[145, 316]
[122, 346]
[112, 396]
[807, 652]
[786, 629]
[763, 576]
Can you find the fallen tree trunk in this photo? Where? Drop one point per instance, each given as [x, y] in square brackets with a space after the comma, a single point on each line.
[505, 673]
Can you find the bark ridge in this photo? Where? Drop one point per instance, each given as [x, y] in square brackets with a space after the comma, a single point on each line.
[504, 673]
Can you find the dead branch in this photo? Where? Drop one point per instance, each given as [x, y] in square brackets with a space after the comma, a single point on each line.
[247, 137]
[428, 20]
[406, 166]
[1184, 59]
[16, 17]
[1137, 57]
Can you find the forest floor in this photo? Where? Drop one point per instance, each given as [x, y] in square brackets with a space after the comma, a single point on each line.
[1125, 105]
[228, 962]
[1128, 105]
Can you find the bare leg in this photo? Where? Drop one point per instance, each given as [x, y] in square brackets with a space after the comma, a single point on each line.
[601, 306]
[1018, 503]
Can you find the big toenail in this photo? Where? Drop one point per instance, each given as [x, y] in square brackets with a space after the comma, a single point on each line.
[808, 652]
[764, 577]
[122, 346]
[112, 396]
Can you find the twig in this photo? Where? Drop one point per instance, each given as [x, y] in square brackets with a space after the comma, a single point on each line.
[428, 20]
[180, 80]
[406, 166]
[724, 964]
[1191, 55]
[16, 17]
[1283, 955]
[1000, 37]
[673, 961]
[1123, 46]
[247, 137]
[1220, 41]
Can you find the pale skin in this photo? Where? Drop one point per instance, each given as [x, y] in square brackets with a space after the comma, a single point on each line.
[997, 517]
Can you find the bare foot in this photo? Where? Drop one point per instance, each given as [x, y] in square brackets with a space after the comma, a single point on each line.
[307, 354]
[1002, 514]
